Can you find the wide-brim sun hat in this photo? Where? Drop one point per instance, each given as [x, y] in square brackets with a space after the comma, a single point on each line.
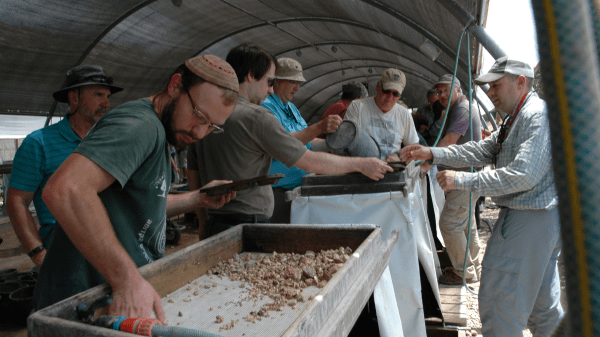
[83, 75]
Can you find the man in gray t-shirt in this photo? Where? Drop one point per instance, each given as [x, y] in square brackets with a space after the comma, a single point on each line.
[455, 215]
[253, 137]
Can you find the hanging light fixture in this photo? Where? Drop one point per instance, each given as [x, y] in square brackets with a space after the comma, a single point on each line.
[298, 52]
[343, 72]
[334, 49]
[370, 70]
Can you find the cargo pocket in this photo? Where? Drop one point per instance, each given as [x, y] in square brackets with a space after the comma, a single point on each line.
[501, 276]
[454, 214]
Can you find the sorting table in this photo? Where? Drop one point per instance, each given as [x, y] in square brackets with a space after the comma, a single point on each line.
[332, 313]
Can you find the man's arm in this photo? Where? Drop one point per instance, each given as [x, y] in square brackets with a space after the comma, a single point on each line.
[449, 139]
[17, 205]
[326, 163]
[318, 145]
[71, 195]
[327, 125]
[532, 161]
[186, 202]
[173, 165]
[196, 201]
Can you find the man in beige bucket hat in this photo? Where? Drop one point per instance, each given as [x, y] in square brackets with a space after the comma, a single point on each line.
[288, 78]
[111, 195]
[389, 123]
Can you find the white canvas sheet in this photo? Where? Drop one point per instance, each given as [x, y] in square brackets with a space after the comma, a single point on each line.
[389, 211]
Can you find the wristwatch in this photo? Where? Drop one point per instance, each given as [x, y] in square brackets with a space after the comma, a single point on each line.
[36, 250]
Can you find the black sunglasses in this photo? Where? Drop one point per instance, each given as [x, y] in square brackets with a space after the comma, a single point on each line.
[96, 78]
[387, 92]
[271, 80]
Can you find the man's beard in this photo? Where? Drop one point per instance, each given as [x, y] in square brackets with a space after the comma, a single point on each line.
[93, 117]
[167, 121]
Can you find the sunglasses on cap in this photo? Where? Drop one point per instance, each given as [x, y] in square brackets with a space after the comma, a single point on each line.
[388, 92]
[271, 80]
[95, 78]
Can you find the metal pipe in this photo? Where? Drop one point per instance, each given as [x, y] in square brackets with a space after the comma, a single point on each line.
[487, 42]
[478, 31]
[487, 112]
[567, 31]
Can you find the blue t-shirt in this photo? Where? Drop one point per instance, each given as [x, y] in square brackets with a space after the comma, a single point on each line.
[292, 121]
[40, 154]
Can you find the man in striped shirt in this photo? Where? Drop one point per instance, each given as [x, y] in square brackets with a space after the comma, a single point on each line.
[520, 285]
[87, 91]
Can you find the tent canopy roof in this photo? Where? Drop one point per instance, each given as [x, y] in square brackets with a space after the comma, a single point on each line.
[139, 43]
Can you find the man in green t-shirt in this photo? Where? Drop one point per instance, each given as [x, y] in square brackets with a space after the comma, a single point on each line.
[110, 196]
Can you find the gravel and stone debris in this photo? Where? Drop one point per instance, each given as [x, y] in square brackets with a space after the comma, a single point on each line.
[280, 276]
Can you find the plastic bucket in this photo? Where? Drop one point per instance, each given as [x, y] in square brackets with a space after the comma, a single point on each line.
[7, 272]
[22, 303]
[7, 312]
[29, 279]
[350, 140]
[15, 277]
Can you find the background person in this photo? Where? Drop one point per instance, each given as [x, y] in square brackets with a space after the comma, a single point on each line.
[430, 114]
[389, 124]
[421, 126]
[87, 90]
[350, 92]
[288, 78]
[454, 220]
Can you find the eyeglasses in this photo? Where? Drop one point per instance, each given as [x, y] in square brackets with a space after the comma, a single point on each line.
[445, 91]
[387, 92]
[216, 128]
[271, 80]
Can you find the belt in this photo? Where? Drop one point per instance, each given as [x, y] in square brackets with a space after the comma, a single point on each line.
[240, 218]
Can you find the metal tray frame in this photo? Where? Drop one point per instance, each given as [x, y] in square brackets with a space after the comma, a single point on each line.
[333, 315]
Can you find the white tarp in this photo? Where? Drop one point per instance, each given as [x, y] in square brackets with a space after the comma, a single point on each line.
[389, 211]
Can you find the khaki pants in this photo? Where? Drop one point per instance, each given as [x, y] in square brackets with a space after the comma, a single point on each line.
[520, 285]
[454, 228]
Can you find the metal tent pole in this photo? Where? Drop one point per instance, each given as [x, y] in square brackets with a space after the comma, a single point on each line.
[478, 31]
[567, 33]
[487, 112]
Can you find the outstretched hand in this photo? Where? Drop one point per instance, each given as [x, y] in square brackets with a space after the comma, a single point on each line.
[374, 168]
[415, 152]
[217, 201]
